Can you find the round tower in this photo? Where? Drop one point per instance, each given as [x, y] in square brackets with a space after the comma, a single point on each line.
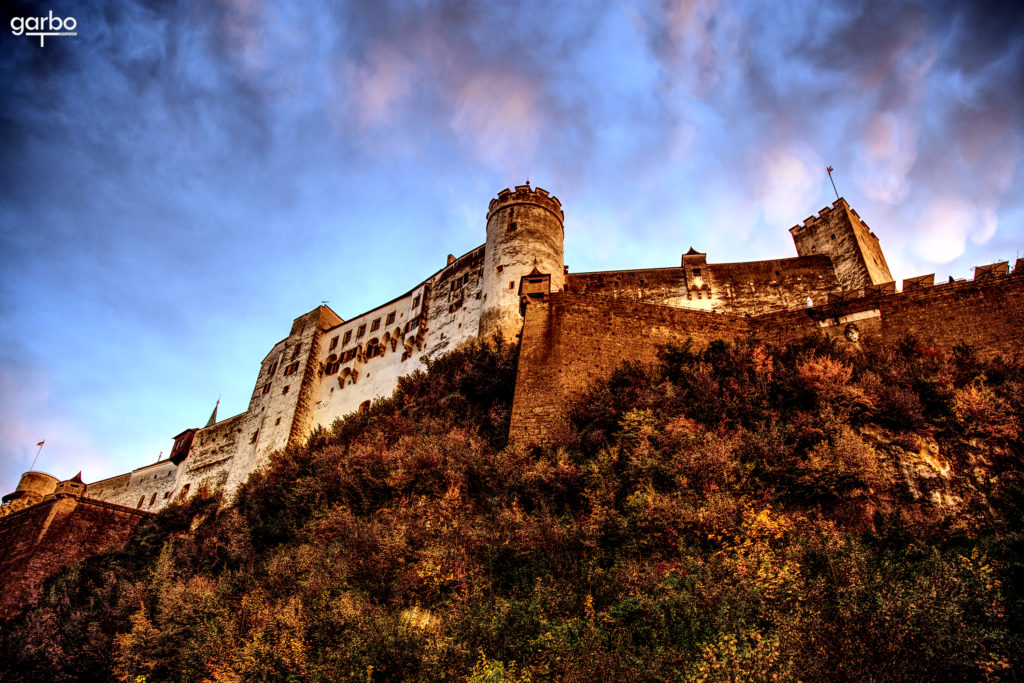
[524, 233]
[33, 487]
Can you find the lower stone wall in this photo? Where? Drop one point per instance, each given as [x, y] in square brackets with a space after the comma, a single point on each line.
[574, 340]
[40, 540]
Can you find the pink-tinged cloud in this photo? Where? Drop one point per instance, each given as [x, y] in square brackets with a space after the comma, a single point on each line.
[789, 179]
[26, 418]
[943, 230]
[888, 153]
[499, 118]
[379, 86]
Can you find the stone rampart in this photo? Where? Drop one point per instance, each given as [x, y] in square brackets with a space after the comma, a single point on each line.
[40, 540]
[576, 339]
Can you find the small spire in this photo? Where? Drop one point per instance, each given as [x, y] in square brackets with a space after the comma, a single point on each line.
[213, 416]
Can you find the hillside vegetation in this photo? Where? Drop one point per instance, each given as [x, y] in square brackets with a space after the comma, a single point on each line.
[745, 512]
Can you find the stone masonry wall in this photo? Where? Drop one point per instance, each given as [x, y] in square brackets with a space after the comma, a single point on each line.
[838, 232]
[575, 340]
[147, 488]
[741, 288]
[40, 540]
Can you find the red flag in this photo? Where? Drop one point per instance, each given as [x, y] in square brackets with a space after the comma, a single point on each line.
[830, 170]
[41, 442]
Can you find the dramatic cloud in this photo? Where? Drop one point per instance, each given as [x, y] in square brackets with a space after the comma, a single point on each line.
[179, 180]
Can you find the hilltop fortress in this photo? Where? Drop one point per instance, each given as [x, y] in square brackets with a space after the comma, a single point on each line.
[572, 328]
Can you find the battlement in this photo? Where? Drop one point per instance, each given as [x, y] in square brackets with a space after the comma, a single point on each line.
[826, 213]
[994, 271]
[524, 194]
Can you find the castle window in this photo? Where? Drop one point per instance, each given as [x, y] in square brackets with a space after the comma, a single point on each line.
[332, 365]
[141, 501]
[266, 388]
[167, 494]
[390, 319]
[298, 347]
[413, 324]
[292, 369]
[349, 355]
[334, 344]
[696, 272]
[184, 489]
[361, 331]
[285, 390]
[511, 285]
[348, 337]
[500, 268]
[272, 370]
[255, 435]
[373, 349]
[152, 499]
[416, 301]
[512, 226]
[375, 325]
[277, 422]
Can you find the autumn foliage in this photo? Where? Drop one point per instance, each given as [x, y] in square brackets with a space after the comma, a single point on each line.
[742, 512]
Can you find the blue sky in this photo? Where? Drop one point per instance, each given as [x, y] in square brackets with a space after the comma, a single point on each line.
[180, 180]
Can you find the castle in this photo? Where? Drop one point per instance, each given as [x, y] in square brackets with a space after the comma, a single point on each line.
[572, 328]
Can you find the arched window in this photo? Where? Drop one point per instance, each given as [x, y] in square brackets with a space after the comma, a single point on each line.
[141, 501]
[373, 349]
[332, 364]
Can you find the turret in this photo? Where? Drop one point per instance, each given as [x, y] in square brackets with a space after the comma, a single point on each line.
[839, 233]
[524, 235]
[33, 487]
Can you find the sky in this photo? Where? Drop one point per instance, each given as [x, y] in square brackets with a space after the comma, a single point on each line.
[180, 180]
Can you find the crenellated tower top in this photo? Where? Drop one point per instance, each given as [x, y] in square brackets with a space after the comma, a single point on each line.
[524, 194]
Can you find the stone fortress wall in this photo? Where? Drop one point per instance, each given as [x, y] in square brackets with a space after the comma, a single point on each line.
[572, 340]
[577, 328]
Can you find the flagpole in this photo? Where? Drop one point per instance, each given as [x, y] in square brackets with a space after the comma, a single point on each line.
[829, 169]
[40, 444]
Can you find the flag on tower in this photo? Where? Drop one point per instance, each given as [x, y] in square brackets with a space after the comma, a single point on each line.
[41, 442]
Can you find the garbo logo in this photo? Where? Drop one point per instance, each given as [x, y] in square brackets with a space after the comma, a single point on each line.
[44, 27]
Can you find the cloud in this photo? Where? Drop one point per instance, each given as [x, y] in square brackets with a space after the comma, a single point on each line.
[888, 153]
[499, 118]
[789, 181]
[942, 232]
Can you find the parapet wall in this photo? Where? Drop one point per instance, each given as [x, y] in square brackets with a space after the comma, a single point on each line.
[750, 288]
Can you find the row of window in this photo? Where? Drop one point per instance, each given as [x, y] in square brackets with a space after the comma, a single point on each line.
[373, 349]
[167, 494]
[389, 319]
